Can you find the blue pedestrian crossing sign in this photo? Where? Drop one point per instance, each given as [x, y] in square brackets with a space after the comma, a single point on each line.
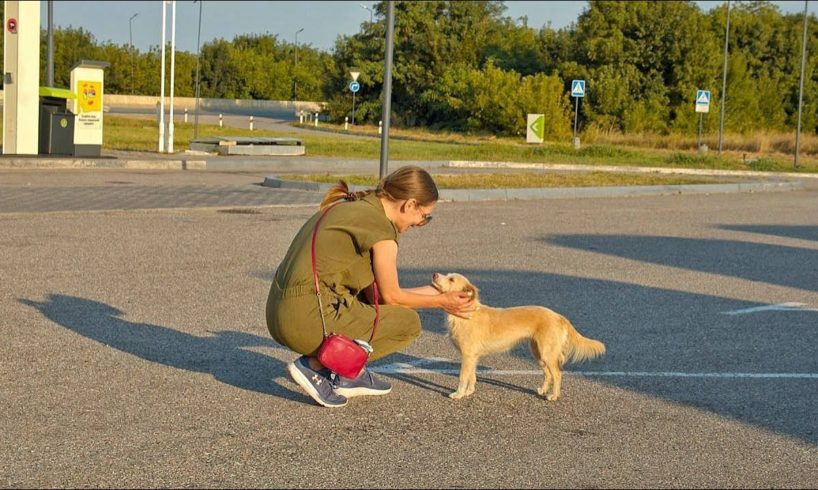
[354, 86]
[578, 88]
[702, 101]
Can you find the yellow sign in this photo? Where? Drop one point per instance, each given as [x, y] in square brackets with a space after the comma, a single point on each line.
[89, 95]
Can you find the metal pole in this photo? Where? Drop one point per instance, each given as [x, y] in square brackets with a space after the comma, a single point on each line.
[353, 108]
[801, 86]
[198, 56]
[370, 12]
[130, 45]
[162, 89]
[576, 113]
[387, 86]
[699, 138]
[172, 71]
[295, 69]
[724, 79]
[50, 61]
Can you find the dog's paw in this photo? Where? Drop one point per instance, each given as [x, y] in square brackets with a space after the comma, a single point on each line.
[540, 391]
[456, 395]
[552, 397]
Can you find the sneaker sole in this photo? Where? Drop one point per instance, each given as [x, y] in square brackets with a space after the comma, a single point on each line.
[305, 384]
[350, 392]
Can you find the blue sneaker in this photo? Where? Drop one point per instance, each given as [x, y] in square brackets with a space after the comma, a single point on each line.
[365, 384]
[317, 384]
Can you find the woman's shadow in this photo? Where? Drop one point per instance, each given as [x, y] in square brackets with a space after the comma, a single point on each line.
[222, 354]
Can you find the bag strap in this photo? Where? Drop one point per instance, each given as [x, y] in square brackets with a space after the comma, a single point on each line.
[318, 287]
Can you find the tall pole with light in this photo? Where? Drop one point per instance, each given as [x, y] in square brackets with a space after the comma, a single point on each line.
[130, 45]
[198, 56]
[172, 71]
[49, 67]
[370, 12]
[724, 79]
[162, 84]
[801, 86]
[387, 86]
[295, 69]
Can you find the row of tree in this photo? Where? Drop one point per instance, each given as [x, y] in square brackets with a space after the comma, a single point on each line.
[464, 65]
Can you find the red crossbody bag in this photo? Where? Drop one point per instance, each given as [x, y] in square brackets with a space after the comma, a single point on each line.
[339, 353]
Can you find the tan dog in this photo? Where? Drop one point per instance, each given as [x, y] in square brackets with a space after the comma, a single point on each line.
[553, 339]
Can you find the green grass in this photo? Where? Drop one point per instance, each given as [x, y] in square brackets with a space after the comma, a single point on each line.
[123, 133]
[519, 180]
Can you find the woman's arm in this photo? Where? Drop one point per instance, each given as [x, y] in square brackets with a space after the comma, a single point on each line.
[384, 260]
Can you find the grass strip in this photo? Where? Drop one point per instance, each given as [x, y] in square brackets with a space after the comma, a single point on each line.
[519, 180]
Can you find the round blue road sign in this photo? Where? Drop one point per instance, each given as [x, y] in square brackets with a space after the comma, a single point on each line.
[354, 86]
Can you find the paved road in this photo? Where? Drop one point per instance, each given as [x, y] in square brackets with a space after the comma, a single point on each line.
[135, 350]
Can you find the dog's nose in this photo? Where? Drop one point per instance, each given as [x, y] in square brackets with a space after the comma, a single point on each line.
[435, 276]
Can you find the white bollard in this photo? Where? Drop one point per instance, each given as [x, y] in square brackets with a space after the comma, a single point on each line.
[221, 124]
[346, 124]
[301, 117]
[316, 119]
[380, 127]
[251, 123]
[185, 114]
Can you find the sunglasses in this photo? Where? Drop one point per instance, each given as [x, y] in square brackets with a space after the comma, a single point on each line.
[426, 219]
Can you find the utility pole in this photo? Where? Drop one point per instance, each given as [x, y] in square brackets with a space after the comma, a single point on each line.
[387, 86]
[295, 69]
[162, 84]
[724, 79]
[801, 87]
[49, 73]
[130, 45]
[198, 56]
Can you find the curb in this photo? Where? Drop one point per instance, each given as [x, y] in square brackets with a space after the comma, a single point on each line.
[114, 163]
[562, 192]
[612, 168]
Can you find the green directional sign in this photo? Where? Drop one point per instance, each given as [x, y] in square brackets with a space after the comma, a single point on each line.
[536, 128]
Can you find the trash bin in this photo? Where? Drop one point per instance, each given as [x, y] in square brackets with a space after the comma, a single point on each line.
[56, 122]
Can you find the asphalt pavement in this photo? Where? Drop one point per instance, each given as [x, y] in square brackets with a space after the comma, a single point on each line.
[136, 353]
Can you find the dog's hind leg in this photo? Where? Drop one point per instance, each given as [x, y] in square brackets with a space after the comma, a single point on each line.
[468, 376]
[538, 355]
[553, 367]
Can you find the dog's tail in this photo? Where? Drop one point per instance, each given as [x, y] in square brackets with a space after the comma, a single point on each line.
[579, 348]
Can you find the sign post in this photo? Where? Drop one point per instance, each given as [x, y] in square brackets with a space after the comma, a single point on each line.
[577, 91]
[702, 107]
[354, 86]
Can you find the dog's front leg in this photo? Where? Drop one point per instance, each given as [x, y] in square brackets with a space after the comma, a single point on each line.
[468, 377]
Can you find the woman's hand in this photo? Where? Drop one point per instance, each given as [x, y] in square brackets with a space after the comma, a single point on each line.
[458, 303]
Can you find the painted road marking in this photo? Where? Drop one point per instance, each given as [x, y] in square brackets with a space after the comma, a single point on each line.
[413, 367]
[778, 307]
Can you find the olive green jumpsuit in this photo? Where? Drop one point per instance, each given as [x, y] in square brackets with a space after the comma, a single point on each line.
[343, 253]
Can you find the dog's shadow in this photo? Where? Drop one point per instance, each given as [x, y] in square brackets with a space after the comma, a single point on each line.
[394, 365]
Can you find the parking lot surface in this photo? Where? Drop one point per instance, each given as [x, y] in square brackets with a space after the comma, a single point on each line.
[136, 353]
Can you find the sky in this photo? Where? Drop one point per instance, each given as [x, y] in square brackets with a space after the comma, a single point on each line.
[322, 21]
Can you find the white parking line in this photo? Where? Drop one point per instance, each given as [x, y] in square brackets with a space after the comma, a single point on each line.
[778, 307]
[403, 368]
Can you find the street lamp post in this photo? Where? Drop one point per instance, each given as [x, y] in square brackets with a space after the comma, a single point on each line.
[723, 102]
[801, 85]
[130, 45]
[198, 56]
[295, 69]
[370, 12]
